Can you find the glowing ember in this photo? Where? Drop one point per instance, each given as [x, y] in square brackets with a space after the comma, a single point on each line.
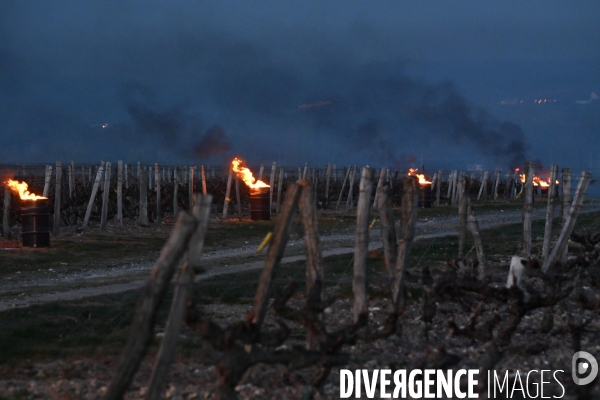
[422, 179]
[246, 175]
[21, 188]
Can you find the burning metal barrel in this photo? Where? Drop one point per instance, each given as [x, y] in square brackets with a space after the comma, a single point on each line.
[425, 196]
[35, 223]
[259, 205]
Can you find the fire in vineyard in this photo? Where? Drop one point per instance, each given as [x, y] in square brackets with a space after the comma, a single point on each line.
[537, 181]
[422, 179]
[21, 188]
[246, 175]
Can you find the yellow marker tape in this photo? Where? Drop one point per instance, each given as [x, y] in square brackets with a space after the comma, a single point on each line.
[265, 242]
[372, 224]
[519, 195]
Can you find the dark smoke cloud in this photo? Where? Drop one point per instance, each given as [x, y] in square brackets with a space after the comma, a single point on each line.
[214, 143]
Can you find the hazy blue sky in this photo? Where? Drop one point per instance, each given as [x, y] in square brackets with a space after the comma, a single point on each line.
[378, 82]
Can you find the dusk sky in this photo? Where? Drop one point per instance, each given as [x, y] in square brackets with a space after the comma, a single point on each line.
[446, 83]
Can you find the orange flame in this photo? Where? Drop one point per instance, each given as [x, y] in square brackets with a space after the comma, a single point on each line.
[422, 179]
[21, 188]
[246, 175]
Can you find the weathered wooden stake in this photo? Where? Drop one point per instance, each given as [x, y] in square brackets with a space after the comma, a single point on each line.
[274, 254]
[567, 229]
[191, 189]
[474, 229]
[483, 187]
[88, 211]
[47, 179]
[380, 182]
[144, 197]
[361, 245]
[105, 194]
[272, 185]
[343, 186]
[312, 243]
[350, 199]
[228, 193]
[279, 189]
[166, 353]
[327, 178]
[549, 213]
[527, 208]
[462, 215]
[237, 196]
[438, 189]
[261, 170]
[496, 184]
[120, 193]
[565, 206]
[141, 331]
[203, 176]
[57, 191]
[388, 229]
[158, 179]
[175, 192]
[408, 215]
[6, 214]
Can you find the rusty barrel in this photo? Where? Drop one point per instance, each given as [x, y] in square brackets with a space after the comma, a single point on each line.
[425, 196]
[35, 223]
[259, 205]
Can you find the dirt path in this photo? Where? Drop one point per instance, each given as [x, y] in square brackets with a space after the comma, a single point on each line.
[96, 282]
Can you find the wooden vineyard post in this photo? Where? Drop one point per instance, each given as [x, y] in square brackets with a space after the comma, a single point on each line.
[388, 229]
[457, 178]
[158, 185]
[567, 229]
[203, 176]
[438, 188]
[483, 186]
[237, 197]
[57, 191]
[47, 179]
[191, 189]
[175, 192]
[527, 208]
[141, 332]
[105, 194]
[169, 175]
[279, 189]
[549, 213]
[272, 185]
[69, 181]
[305, 173]
[410, 202]
[349, 199]
[6, 214]
[496, 184]
[120, 193]
[299, 173]
[139, 169]
[462, 215]
[565, 205]
[88, 211]
[227, 193]
[359, 279]
[342, 189]
[314, 261]
[143, 197]
[475, 232]
[183, 290]
[450, 183]
[127, 177]
[261, 171]
[72, 179]
[274, 254]
[380, 182]
[327, 178]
